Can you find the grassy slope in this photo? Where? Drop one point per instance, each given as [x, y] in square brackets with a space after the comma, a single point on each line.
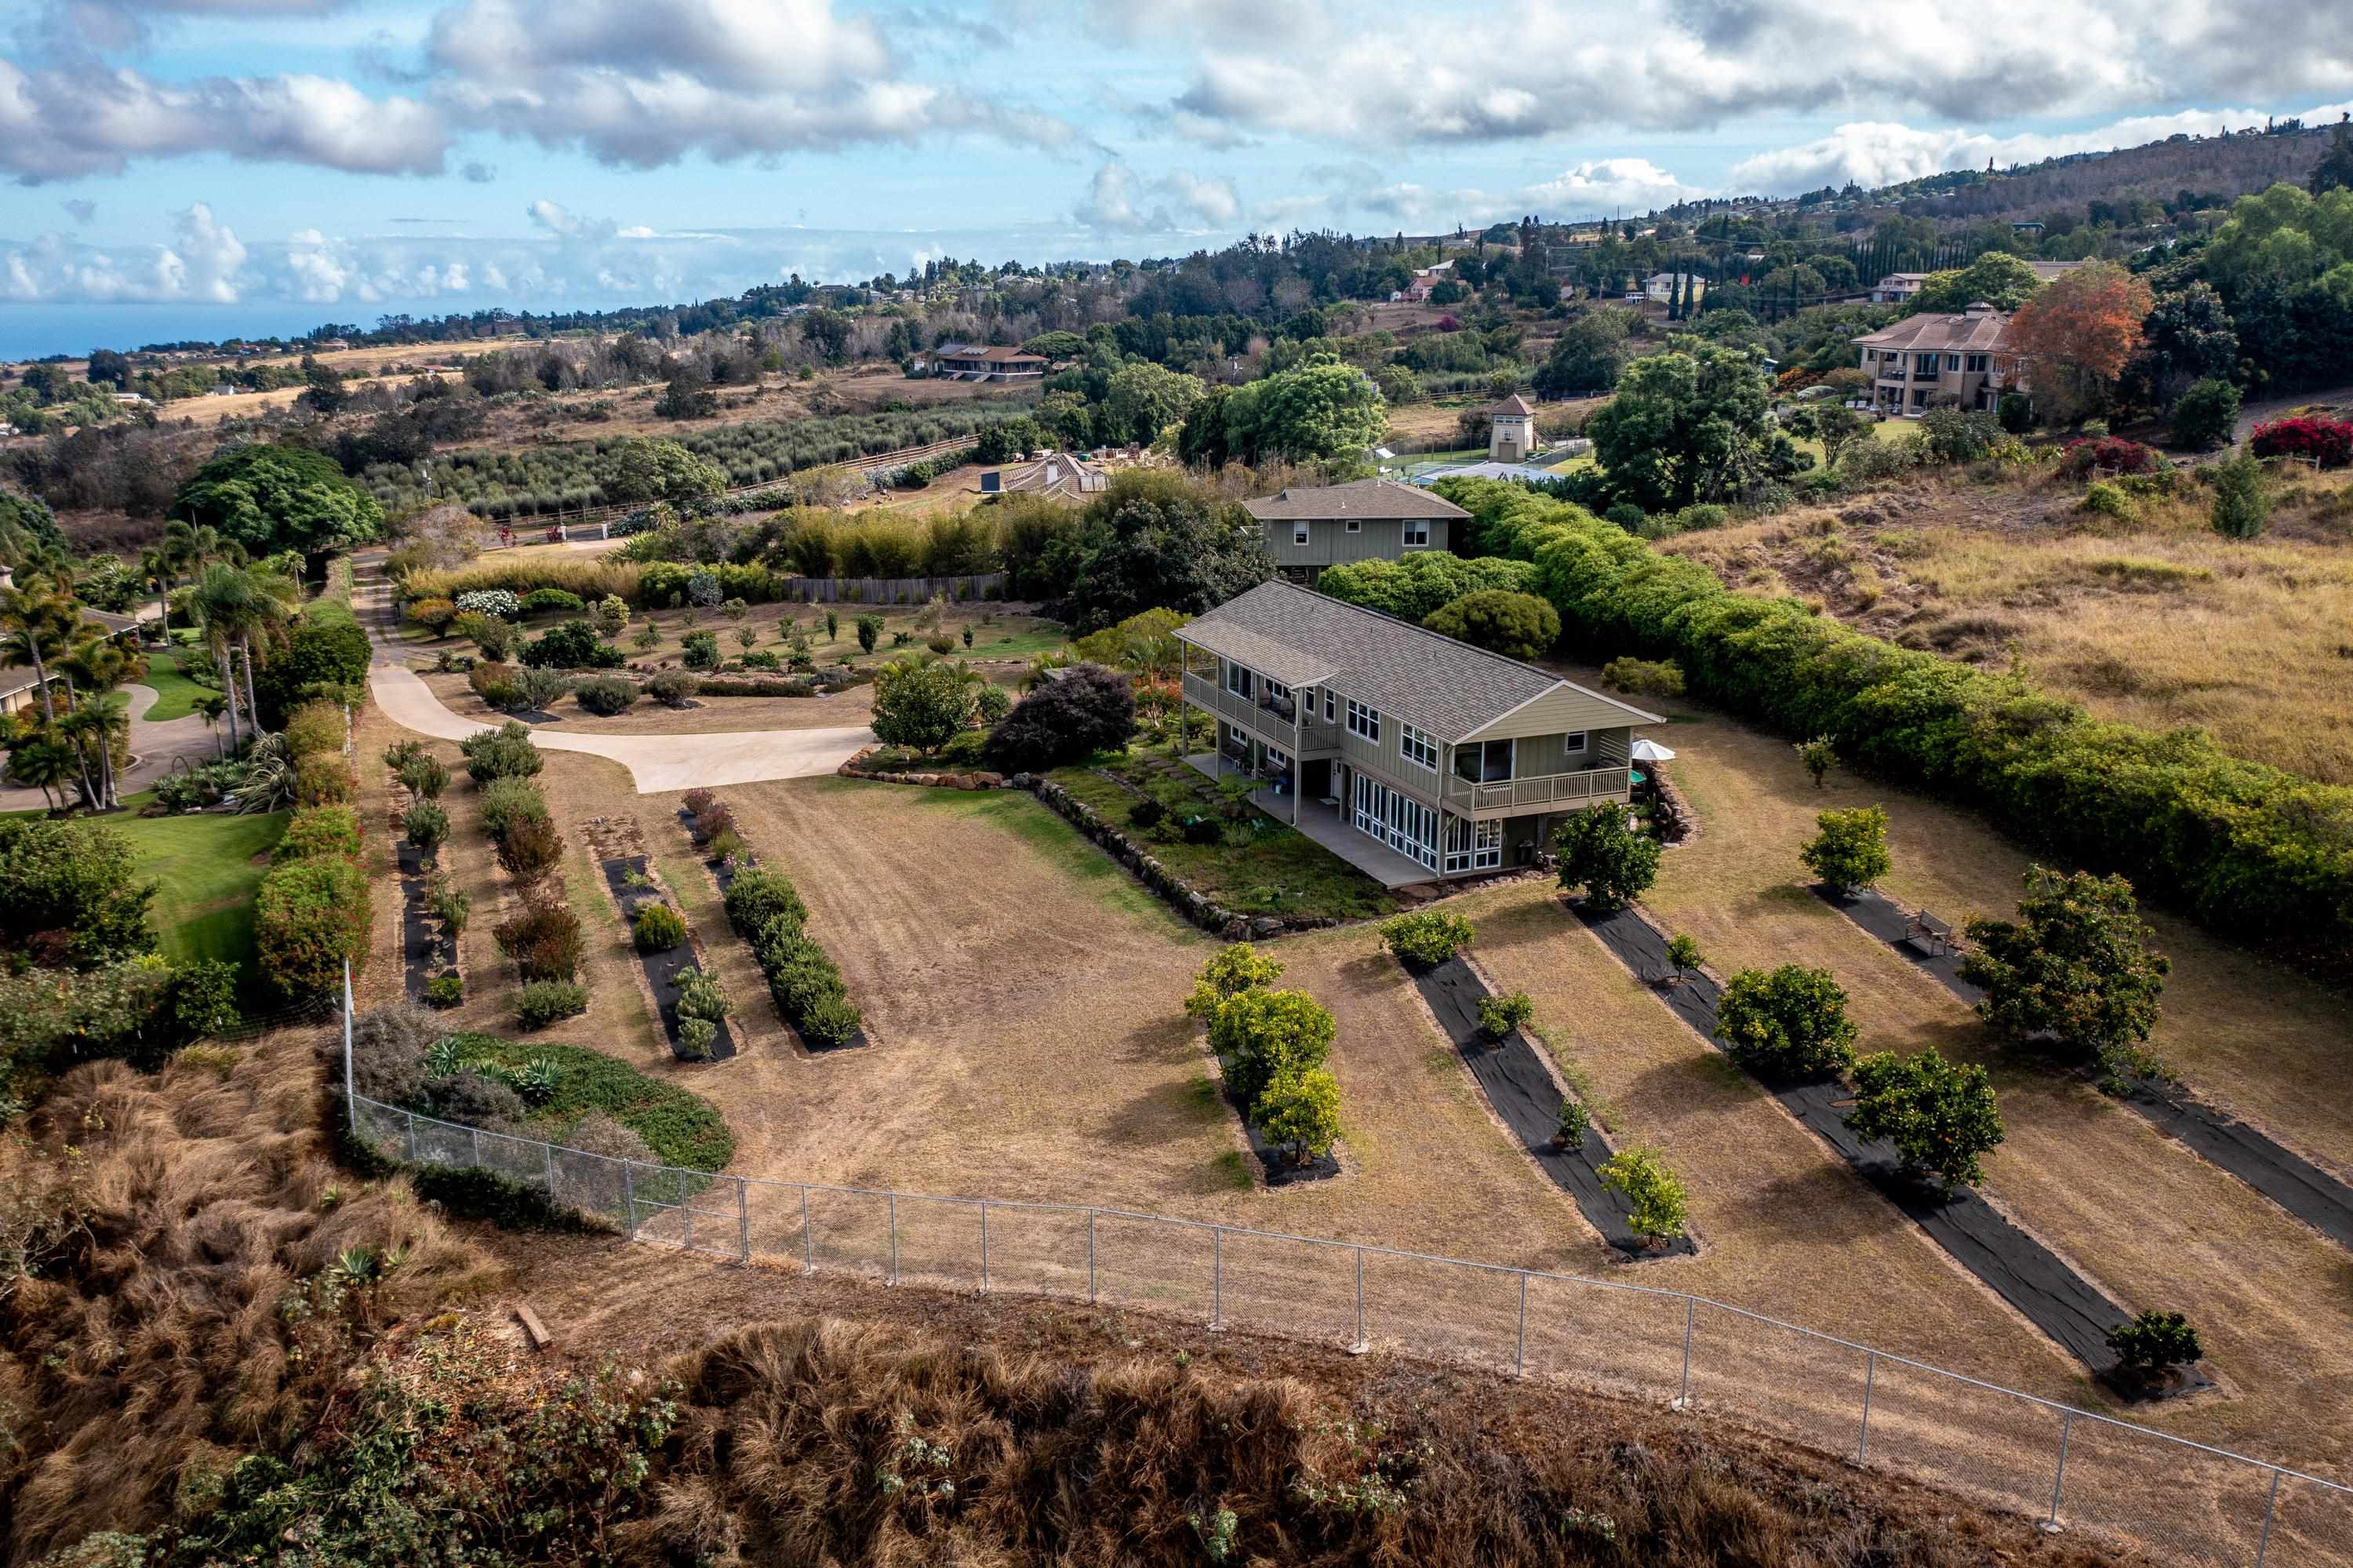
[205, 870]
[177, 695]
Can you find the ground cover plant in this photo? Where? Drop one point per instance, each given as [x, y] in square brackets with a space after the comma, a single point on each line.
[1220, 846]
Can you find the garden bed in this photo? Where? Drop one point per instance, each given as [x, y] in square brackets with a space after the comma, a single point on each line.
[724, 871]
[2287, 1179]
[1527, 1100]
[2020, 1270]
[630, 880]
[1195, 879]
[426, 954]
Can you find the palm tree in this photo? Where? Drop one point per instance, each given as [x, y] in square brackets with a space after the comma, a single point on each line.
[212, 705]
[41, 762]
[234, 605]
[93, 725]
[101, 667]
[36, 616]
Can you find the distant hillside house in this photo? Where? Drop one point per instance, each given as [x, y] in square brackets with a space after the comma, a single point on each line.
[973, 361]
[1057, 475]
[1309, 528]
[1929, 356]
[1660, 286]
[1898, 287]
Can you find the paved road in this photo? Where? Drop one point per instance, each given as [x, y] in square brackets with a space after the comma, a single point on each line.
[154, 748]
[656, 762]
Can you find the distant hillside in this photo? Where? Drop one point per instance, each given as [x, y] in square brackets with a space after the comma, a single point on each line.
[2225, 167]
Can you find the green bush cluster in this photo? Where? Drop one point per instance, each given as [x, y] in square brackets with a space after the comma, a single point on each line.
[1272, 1046]
[1426, 937]
[657, 928]
[543, 1003]
[766, 911]
[506, 752]
[679, 1126]
[319, 830]
[310, 916]
[2252, 851]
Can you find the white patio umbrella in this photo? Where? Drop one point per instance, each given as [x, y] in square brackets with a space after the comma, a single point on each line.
[1647, 750]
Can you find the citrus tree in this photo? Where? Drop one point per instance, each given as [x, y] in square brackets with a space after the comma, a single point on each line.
[1789, 1023]
[1940, 1115]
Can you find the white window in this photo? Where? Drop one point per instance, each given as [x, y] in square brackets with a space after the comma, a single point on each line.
[1238, 680]
[1356, 525]
[1473, 846]
[1330, 705]
[1399, 820]
[1573, 742]
[1276, 691]
[1299, 534]
[1416, 534]
[1418, 747]
[1488, 762]
[1977, 363]
[1364, 721]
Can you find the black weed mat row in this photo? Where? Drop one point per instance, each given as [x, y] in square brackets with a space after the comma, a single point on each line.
[725, 875]
[661, 968]
[2287, 1179]
[2018, 1268]
[422, 952]
[1515, 1081]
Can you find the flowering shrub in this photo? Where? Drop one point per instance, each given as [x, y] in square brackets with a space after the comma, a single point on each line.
[2328, 441]
[495, 602]
[2108, 454]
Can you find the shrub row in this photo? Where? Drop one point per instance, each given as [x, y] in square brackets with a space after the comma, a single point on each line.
[312, 913]
[766, 911]
[2252, 851]
[651, 584]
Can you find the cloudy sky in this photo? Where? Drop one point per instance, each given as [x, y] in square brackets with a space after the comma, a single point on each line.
[202, 167]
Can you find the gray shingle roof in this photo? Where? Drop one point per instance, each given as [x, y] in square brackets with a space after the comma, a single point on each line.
[1981, 331]
[1436, 684]
[1360, 498]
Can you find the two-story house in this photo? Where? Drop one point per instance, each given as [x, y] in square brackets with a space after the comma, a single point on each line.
[1411, 756]
[1914, 360]
[1308, 529]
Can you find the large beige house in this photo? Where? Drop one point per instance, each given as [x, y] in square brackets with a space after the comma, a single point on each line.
[1309, 528]
[1410, 755]
[1915, 360]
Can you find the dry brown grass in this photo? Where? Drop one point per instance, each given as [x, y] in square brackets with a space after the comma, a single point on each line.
[2159, 623]
[2136, 1212]
[174, 1314]
[1125, 1458]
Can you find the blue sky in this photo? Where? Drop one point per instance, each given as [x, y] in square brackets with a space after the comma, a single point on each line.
[259, 164]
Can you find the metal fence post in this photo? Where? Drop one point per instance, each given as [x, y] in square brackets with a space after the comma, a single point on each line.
[686, 1207]
[1362, 1344]
[895, 1238]
[984, 1246]
[1218, 1280]
[549, 1149]
[409, 1134]
[808, 1236]
[2059, 1475]
[1091, 1258]
[474, 1135]
[2263, 1542]
[1870, 1371]
[744, 1218]
[1691, 1307]
[629, 1193]
[351, 1105]
[1520, 1352]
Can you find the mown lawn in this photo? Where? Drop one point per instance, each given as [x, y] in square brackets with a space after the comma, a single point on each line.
[205, 869]
[177, 695]
[1258, 867]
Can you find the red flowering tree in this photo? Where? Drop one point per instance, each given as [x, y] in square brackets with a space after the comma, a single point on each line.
[2329, 442]
[2076, 335]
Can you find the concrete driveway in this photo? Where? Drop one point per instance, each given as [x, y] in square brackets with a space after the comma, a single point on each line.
[656, 762]
[155, 748]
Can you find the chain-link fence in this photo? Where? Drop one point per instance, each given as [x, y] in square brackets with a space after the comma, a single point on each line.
[2183, 1500]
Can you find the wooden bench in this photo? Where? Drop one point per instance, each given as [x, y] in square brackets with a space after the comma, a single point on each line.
[1930, 937]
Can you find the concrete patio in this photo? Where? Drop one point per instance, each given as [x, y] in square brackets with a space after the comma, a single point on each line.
[1328, 826]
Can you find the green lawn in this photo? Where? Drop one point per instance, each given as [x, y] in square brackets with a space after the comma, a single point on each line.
[205, 870]
[177, 695]
[1259, 866]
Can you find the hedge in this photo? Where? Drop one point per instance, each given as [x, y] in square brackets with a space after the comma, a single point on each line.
[319, 830]
[309, 916]
[766, 911]
[2251, 851]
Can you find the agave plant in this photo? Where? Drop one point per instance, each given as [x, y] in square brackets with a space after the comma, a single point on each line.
[270, 777]
[535, 1080]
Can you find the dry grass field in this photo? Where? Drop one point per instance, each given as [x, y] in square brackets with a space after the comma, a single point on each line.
[2159, 623]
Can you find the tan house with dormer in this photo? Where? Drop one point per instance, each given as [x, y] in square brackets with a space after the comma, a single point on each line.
[1310, 527]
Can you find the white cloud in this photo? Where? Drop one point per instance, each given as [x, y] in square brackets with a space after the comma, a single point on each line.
[59, 125]
[1635, 184]
[202, 262]
[1212, 200]
[1115, 201]
[1880, 153]
[564, 225]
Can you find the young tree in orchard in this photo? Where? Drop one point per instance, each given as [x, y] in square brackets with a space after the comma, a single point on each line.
[925, 707]
[2076, 337]
[1850, 853]
[2074, 967]
[1656, 1203]
[1260, 1034]
[1790, 1024]
[1235, 969]
[1940, 1116]
[1602, 854]
[1300, 1109]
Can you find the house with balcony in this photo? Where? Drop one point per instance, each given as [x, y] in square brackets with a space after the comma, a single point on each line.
[1913, 361]
[1411, 756]
[1309, 528]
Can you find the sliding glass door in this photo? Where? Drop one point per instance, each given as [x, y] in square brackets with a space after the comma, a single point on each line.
[1397, 819]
